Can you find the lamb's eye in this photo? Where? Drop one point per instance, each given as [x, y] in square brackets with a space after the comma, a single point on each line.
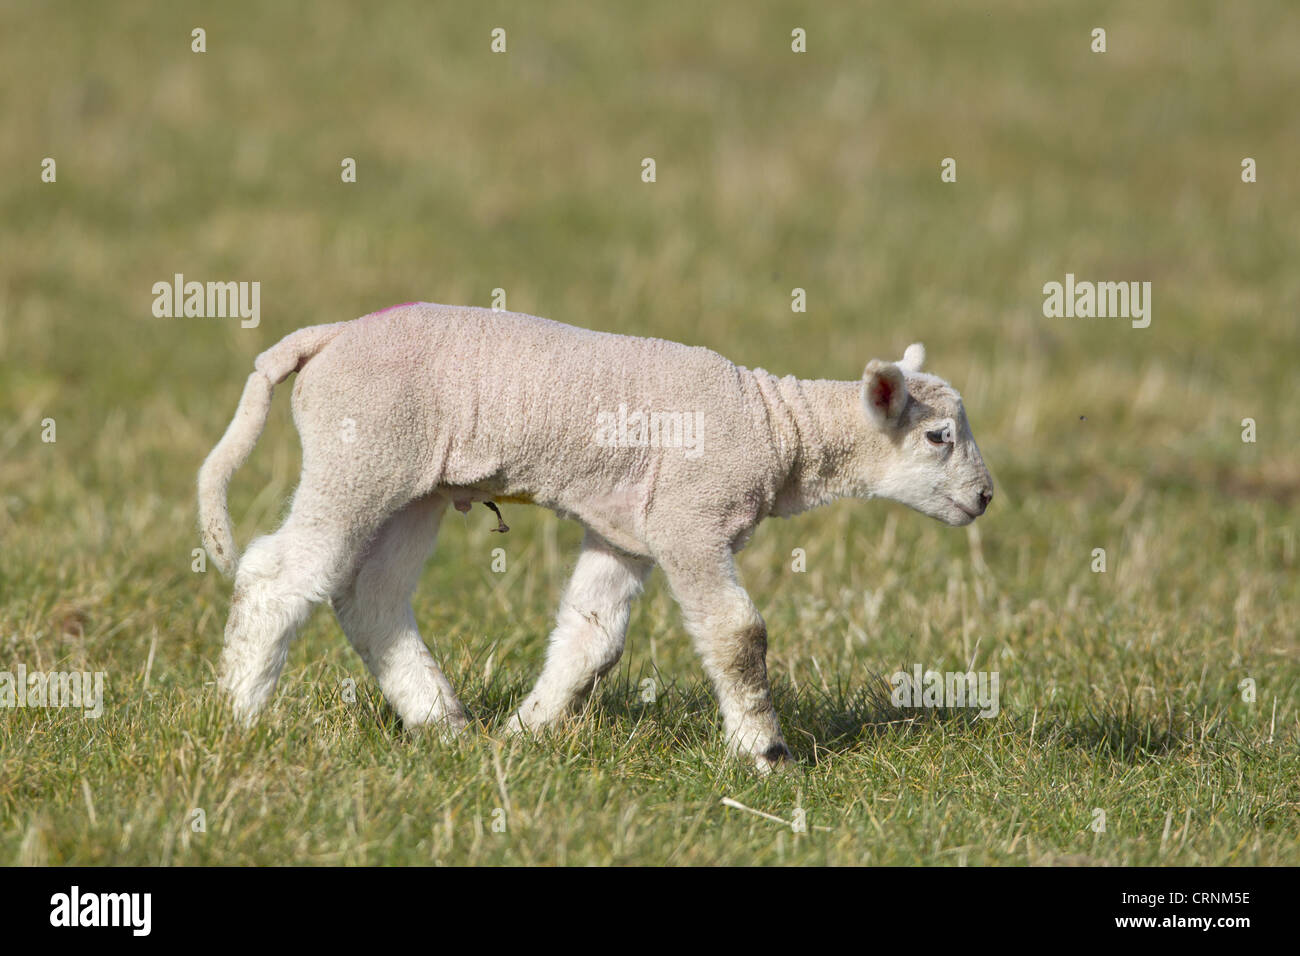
[938, 437]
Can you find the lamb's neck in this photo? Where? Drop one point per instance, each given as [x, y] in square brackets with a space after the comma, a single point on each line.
[835, 456]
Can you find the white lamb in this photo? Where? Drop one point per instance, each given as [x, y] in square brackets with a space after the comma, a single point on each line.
[407, 410]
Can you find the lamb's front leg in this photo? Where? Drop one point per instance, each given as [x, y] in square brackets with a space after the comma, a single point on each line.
[590, 629]
[731, 638]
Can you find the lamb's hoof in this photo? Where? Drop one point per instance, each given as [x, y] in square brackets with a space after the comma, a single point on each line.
[775, 758]
[531, 720]
[446, 728]
[245, 710]
[514, 727]
[452, 726]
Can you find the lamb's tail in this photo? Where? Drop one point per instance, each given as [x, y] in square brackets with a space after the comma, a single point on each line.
[272, 367]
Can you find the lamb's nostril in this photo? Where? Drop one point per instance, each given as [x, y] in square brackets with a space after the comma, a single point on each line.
[985, 498]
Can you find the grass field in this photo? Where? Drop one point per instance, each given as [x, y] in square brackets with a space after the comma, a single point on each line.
[1120, 691]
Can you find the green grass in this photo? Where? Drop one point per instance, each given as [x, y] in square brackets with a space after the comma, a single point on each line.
[1119, 691]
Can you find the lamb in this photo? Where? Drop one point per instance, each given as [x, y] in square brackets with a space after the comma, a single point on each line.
[408, 410]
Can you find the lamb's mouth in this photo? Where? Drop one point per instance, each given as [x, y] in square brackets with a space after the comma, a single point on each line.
[966, 511]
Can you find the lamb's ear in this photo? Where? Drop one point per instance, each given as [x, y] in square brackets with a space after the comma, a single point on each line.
[884, 393]
[913, 358]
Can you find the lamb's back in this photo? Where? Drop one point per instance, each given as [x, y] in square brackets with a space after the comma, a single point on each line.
[513, 402]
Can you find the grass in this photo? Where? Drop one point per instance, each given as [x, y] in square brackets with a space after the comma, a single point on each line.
[1120, 691]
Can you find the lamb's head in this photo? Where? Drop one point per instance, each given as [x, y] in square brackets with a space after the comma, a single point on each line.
[931, 462]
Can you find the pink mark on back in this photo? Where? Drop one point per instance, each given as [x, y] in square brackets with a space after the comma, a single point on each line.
[400, 305]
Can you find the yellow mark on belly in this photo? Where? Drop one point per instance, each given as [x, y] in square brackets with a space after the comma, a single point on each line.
[513, 499]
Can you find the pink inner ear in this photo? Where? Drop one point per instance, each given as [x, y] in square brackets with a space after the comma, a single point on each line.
[882, 391]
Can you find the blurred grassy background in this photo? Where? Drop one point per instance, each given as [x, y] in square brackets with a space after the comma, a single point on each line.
[775, 170]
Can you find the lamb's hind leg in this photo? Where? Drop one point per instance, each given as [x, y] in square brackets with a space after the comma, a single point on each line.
[590, 629]
[279, 578]
[374, 609]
